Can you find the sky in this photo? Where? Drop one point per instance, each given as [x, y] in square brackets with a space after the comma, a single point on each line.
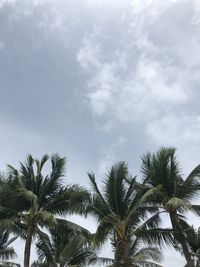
[99, 81]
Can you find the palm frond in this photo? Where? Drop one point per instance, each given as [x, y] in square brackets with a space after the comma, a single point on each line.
[178, 204]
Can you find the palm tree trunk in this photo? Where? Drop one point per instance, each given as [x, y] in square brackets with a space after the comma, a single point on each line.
[181, 238]
[117, 256]
[123, 254]
[126, 255]
[27, 250]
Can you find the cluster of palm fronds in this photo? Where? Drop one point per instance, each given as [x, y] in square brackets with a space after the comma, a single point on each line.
[129, 212]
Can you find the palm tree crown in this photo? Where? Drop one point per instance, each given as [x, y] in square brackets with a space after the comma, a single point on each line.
[120, 216]
[38, 198]
[172, 193]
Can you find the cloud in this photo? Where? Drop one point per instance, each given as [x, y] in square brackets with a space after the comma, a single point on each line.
[142, 78]
[110, 156]
[180, 131]
[147, 74]
[2, 44]
[7, 2]
[143, 93]
[171, 127]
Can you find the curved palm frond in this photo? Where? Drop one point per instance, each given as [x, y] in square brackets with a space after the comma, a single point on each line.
[7, 252]
[67, 244]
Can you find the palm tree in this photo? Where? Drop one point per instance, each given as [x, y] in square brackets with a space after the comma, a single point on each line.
[172, 194]
[38, 198]
[120, 215]
[68, 245]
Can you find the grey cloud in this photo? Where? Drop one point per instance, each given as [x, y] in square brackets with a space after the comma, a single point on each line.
[154, 78]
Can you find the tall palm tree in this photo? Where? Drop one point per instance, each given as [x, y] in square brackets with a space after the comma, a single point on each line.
[120, 215]
[172, 193]
[37, 198]
[68, 245]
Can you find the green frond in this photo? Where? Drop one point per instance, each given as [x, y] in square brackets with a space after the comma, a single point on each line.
[19, 229]
[132, 186]
[196, 209]
[40, 163]
[6, 252]
[73, 228]
[26, 168]
[6, 223]
[95, 188]
[148, 253]
[58, 166]
[152, 222]
[194, 174]
[157, 236]
[27, 195]
[44, 248]
[68, 244]
[102, 234]
[178, 204]
[161, 168]
[9, 264]
[100, 261]
[115, 190]
[44, 218]
[12, 172]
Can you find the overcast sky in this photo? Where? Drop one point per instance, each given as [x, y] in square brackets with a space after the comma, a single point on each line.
[99, 81]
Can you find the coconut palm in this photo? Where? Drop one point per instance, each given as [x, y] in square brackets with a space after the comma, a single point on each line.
[171, 193]
[68, 245]
[38, 198]
[120, 215]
